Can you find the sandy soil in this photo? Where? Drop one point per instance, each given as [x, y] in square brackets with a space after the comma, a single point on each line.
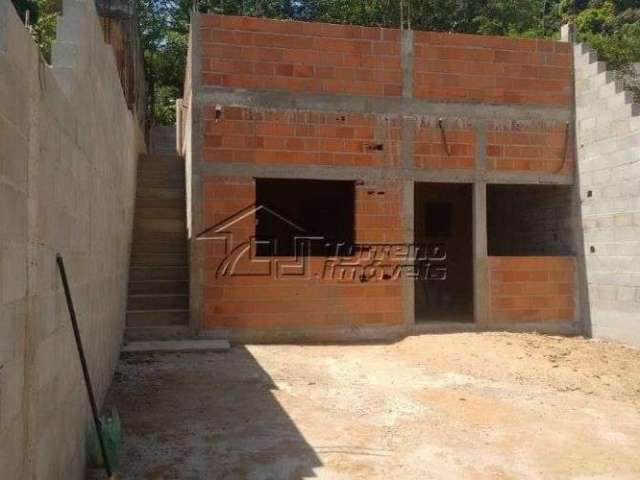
[463, 406]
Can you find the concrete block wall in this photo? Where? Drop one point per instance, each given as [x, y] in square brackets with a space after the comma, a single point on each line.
[68, 149]
[608, 142]
[384, 108]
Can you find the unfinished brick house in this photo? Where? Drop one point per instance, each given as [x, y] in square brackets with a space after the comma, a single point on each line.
[377, 137]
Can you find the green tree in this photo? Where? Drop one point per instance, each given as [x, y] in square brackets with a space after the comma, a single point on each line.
[43, 15]
[611, 26]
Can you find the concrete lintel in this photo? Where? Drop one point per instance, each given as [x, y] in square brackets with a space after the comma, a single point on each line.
[323, 172]
[301, 171]
[381, 105]
[528, 178]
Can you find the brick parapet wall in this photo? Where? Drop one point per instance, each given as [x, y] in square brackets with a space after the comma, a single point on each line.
[257, 53]
[490, 69]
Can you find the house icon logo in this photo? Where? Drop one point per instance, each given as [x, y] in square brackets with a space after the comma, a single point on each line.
[247, 254]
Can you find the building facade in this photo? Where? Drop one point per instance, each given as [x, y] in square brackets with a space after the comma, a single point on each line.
[356, 183]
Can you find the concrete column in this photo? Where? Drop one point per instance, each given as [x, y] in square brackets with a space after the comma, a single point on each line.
[568, 33]
[196, 257]
[407, 57]
[480, 254]
[409, 284]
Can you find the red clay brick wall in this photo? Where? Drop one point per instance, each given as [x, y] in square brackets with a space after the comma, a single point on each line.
[265, 54]
[430, 151]
[260, 301]
[236, 134]
[296, 56]
[532, 289]
[530, 148]
[491, 69]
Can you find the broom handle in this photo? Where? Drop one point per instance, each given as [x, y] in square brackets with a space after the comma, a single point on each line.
[83, 361]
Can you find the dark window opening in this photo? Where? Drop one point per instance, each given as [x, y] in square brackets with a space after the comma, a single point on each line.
[530, 220]
[310, 217]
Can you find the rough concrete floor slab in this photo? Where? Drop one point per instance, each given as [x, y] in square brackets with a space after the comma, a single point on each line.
[461, 406]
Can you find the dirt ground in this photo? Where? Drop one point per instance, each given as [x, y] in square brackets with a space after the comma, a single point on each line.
[460, 406]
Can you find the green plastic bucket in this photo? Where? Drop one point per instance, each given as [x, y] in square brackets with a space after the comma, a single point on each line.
[112, 434]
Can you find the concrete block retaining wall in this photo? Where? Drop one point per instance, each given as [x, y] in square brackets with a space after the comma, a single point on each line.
[608, 141]
[68, 150]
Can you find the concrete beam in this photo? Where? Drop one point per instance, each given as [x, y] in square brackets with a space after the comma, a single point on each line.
[321, 172]
[326, 102]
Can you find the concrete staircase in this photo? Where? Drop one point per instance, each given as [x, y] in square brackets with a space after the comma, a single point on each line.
[158, 301]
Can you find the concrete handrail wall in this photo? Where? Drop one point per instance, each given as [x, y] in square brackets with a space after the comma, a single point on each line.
[68, 157]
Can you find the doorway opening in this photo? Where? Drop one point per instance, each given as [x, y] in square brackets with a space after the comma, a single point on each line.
[443, 224]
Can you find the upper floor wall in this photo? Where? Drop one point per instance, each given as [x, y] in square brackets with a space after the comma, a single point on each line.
[257, 53]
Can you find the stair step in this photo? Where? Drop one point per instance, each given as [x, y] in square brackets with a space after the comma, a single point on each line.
[162, 161]
[145, 273]
[161, 192]
[158, 260]
[162, 253]
[148, 202]
[160, 224]
[149, 244]
[159, 287]
[158, 302]
[160, 157]
[157, 318]
[161, 183]
[167, 238]
[160, 171]
[146, 212]
[170, 332]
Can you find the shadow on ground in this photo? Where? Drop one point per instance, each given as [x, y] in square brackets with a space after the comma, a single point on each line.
[192, 416]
